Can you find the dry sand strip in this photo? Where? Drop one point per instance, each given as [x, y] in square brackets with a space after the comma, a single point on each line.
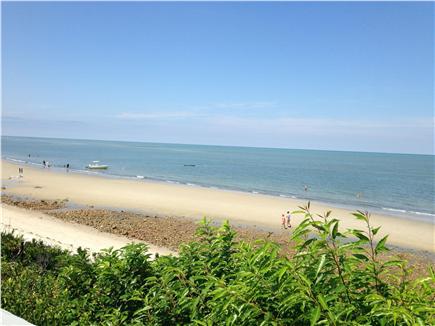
[163, 199]
[69, 236]
[6, 318]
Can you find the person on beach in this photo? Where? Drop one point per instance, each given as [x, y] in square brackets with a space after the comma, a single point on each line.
[43, 163]
[283, 221]
[289, 216]
[67, 166]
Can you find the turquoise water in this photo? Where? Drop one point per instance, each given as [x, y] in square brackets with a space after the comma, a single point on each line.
[394, 183]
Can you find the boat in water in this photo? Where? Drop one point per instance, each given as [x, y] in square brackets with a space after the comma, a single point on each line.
[95, 165]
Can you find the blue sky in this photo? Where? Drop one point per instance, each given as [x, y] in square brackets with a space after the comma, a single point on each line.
[342, 76]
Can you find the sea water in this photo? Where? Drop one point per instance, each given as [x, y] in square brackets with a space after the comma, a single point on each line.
[400, 184]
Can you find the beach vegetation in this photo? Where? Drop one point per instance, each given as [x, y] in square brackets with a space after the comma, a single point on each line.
[335, 277]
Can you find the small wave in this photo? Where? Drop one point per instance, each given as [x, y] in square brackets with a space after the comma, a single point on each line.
[287, 196]
[394, 210]
[140, 177]
[425, 214]
[15, 160]
[255, 192]
[191, 184]
[33, 163]
[78, 170]
[88, 172]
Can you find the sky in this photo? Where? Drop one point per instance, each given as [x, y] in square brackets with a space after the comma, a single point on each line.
[336, 76]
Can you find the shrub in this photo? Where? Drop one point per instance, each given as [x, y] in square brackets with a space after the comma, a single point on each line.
[335, 277]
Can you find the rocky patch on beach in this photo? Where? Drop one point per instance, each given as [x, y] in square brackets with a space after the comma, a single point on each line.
[33, 204]
[162, 231]
[166, 232]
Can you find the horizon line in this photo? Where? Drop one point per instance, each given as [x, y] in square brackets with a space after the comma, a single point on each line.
[221, 145]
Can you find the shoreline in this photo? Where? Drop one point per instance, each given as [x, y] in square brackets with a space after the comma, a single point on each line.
[194, 202]
[387, 211]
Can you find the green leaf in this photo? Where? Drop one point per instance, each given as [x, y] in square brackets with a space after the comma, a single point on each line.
[281, 272]
[315, 315]
[318, 225]
[305, 279]
[393, 263]
[375, 230]
[381, 245]
[322, 302]
[360, 216]
[360, 236]
[306, 243]
[321, 264]
[335, 230]
[361, 256]
[219, 293]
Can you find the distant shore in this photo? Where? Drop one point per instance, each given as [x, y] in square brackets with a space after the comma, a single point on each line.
[180, 201]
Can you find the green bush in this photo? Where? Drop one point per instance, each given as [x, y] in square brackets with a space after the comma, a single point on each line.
[335, 278]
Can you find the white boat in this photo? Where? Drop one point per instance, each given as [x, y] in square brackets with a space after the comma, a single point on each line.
[95, 165]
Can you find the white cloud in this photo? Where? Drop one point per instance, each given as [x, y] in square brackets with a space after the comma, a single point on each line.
[395, 135]
[244, 105]
[325, 124]
[154, 115]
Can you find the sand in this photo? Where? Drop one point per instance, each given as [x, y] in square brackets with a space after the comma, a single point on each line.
[69, 236]
[164, 199]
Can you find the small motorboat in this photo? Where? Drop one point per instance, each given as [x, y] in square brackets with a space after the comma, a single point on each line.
[95, 165]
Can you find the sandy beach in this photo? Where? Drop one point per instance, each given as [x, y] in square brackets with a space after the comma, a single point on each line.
[161, 199]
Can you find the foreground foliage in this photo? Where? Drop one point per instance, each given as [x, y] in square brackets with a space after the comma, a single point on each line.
[335, 278]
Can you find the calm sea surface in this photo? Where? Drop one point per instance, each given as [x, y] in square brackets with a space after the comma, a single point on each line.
[401, 184]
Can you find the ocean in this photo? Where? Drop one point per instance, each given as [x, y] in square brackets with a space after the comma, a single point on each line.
[396, 184]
